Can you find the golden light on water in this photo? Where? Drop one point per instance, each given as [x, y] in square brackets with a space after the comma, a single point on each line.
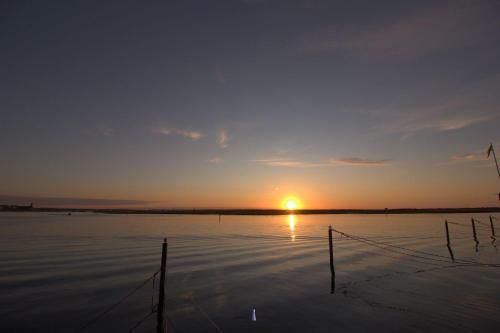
[291, 223]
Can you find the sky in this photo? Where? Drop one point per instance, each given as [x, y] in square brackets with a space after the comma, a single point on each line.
[242, 103]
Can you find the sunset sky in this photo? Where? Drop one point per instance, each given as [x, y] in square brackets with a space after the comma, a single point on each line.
[242, 103]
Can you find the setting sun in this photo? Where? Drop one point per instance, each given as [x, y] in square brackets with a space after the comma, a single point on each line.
[291, 203]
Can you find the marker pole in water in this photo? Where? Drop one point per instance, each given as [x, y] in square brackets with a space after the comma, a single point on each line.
[448, 241]
[475, 234]
[332, 268]
[492, 227]
[160, 320]
[447, 233]
[474, 230]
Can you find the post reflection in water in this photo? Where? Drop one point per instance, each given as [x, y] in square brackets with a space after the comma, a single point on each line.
[291, 222]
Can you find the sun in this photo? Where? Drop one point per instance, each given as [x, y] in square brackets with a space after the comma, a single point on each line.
[291, 203]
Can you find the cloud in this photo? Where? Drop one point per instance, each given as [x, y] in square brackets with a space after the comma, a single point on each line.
[105, 130]
[469, 157]
[455, 25]
[215, 160]
[223, 139]
[361, 162]
[292, 163]
[289, 163]
[457, 123]
[475, 103]
[69, 202]
[193, 135]
[479, 155]
[411, 125]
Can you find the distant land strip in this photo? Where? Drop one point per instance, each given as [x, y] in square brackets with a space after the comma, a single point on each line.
[256, 211]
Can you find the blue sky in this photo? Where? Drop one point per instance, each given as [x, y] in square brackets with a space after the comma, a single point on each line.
[240, 103]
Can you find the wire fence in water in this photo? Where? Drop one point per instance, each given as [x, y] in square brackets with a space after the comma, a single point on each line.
[388, 249]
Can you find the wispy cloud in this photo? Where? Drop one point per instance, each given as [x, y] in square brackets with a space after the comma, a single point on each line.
[455, 25]
[74, 202]
[100, 131]
[479, 155]
[458, 123]
[193, 135]
[469, 157]
[415, 123]
[223, 139]
[360, 162]
[474, 104]
[289, 163]
[292, 163]
[105, 130]
[215, 160]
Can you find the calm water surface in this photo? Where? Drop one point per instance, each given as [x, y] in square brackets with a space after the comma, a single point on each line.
[59, 271]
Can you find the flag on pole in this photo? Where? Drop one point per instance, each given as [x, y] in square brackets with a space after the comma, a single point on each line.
[490, 149]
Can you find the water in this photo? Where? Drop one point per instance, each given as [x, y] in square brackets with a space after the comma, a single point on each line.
[59, 271]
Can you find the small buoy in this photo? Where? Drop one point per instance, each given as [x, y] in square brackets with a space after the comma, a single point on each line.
[254, 316]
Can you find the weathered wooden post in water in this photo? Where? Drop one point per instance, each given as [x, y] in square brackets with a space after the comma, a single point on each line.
[475, 234]
[492, 227]
[448, 241]
[332, 268]
[474, 230]
[447, 233]
[161, 326]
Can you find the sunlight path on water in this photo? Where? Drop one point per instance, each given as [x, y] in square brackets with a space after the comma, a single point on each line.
[69, 268]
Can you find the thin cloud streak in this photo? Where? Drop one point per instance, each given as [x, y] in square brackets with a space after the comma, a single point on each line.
[193, 135]
[289, 163]
[411, 125]
[469, 157]
[105, 130]
[223, 139]
[479, 155]
[467, 107]
[353, 161]
[361, 162]
[68, 201]
[215, 160]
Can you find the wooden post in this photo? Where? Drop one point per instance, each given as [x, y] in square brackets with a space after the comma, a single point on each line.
[160, 320]
[474, 230]
[492, 227]
[448, 241]
[332, 268]
[447, 233]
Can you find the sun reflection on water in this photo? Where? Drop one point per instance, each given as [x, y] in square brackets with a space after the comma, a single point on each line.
[291, 223]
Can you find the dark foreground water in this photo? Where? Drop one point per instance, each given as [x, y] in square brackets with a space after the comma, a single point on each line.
[58, 272]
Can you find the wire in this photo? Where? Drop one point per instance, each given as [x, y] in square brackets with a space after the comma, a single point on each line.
[389, 256]
[113, 306]
[206, 315]
[385, 245]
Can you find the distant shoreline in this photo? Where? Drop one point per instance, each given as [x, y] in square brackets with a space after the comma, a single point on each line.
[260, 211]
